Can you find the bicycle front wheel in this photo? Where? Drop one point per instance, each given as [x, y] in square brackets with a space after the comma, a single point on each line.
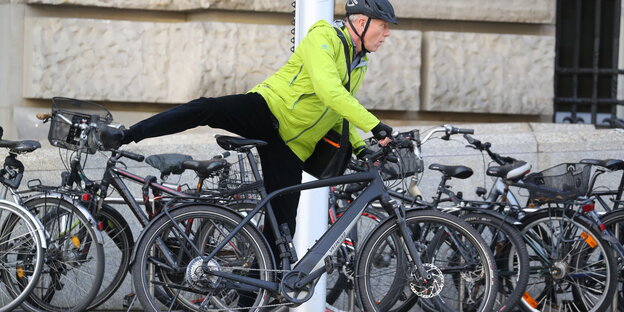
[21, 256]
[74, 259]
[614, 221]
[572, 268]
[460, 269]
[170, 257]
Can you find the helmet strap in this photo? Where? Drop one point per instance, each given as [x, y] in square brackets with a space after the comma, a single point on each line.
[363, 32]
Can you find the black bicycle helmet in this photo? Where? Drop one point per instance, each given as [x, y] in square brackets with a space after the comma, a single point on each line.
[379, 9]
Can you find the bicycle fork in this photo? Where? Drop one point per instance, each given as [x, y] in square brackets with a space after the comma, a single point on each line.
[413, 254]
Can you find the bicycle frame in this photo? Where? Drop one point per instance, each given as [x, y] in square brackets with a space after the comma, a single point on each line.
[114, 176]
[312, 264]
[599, 194]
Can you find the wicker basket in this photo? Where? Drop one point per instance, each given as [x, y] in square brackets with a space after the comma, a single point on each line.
[67, 117]
[561, 183]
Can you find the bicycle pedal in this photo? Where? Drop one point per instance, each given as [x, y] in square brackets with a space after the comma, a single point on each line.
[128, 300]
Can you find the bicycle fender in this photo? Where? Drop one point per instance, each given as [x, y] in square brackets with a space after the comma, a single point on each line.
[81, 208]
[36, 222]
[505, 218]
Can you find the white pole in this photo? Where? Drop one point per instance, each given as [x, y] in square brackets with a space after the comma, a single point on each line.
[620, 108]
[313, 210]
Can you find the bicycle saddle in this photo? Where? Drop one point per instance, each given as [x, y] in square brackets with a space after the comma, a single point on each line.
[168, 163]
[611, 164]
[460, 172]
[204, 168]
[512, 171]
[232, 143]
[26, 146]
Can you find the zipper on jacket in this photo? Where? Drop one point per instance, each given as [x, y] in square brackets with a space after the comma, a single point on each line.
[297, 75]
[308, 128]
[301, 97]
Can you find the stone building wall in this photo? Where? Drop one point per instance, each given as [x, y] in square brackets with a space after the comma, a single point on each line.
[456, 56]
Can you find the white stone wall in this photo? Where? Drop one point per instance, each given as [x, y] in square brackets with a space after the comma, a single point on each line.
[524, 11]
[127, 61]
[392, 81]
[489, 73]
[142, 56]
[146, 61]
[179, 5]
[11, 50]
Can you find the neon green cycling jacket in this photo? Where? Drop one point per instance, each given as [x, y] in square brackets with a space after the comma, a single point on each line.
[307, 95]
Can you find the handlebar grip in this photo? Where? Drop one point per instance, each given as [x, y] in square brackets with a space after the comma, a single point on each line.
[133, 156]
[470, 139]
[44, 116]
[222, 155]
[462, 131]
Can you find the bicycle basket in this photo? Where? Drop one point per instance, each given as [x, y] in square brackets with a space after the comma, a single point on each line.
[408, 164]
[236, 180]
[563, 182]
[67, 116]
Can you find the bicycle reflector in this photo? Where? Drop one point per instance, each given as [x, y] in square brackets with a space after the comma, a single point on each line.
[86, 197]
[589, 207]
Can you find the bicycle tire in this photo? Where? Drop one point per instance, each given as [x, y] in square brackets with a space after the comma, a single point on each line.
[200, 221]
[21, 255]
[75, 276]
[614, 221]
[561, 274]
[424, 224]
[511, 255]
[118, 244]
[341, 282]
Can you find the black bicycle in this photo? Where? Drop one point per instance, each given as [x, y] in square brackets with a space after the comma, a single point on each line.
[221, 261]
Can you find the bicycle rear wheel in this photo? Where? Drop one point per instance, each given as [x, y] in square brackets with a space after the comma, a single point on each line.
[170, 256]
[572, 267]
[21, 255]
[461, 268]
[74, 260]
[511, 255]
[614, 221]
[118, 245]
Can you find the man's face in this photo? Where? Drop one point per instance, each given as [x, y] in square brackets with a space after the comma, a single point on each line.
[377, 32]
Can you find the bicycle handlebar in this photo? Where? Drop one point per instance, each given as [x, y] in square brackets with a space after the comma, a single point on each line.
[448, 131]
[478, 145]
[131, 155]
[44, 116]
[223, 155]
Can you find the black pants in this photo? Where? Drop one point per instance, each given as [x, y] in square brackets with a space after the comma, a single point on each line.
[246, 115]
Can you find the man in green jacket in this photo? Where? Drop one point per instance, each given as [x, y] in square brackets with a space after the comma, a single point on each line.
[294, 108]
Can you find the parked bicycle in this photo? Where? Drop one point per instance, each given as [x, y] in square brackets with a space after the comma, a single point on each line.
[71, 273]
[21, 250]
[225, 263]
[572, 261]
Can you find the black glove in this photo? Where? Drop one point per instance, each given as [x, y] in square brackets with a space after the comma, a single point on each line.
[362, 151]
[113, 138]
[382, 131]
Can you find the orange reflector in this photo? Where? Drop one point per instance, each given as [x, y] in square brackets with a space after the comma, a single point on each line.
[20, 272]
[589, 240]
[76, 241]
[530, 300]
